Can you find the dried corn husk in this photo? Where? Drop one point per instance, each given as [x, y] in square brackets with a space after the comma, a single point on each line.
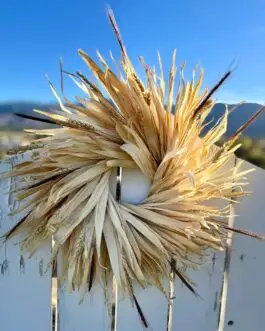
[67, 181]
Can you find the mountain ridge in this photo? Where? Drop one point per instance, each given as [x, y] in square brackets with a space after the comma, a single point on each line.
[8, 120]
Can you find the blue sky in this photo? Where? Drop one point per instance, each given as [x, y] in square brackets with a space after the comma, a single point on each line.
[35, 34]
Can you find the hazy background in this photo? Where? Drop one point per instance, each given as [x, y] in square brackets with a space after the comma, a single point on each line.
[215, 34]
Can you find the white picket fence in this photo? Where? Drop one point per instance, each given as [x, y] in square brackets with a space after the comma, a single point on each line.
[231, 284]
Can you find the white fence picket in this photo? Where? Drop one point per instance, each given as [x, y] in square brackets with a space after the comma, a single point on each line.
[90, 315]
[246, 286]
[154, 306]
[25, 288]
[200, 313]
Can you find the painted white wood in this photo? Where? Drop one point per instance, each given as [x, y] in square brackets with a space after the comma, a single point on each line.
[25, 302]
[246, 286]
[90, 315]
[201, 313]
[227, 262]
[135, 186]
[154, 306]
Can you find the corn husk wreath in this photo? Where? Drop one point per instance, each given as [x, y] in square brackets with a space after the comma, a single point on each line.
[67, 181]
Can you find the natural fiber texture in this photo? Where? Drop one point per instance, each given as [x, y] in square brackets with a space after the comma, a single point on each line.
[67, 180]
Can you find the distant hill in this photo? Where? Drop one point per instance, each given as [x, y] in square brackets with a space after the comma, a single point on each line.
[239, 116]
[8, 121]
[23, 107]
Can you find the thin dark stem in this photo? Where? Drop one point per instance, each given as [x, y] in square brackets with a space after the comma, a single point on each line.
[33, 118]
[61, 75]
[140, 312]
[248, 123]
[211, 92]
[183, 279]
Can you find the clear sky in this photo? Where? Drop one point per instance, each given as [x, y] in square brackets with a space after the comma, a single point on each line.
[35, 34]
